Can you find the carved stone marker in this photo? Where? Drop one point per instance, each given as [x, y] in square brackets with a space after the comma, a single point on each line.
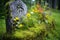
[17, 8]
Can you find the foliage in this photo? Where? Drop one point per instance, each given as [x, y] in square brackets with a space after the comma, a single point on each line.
[35, 25]
[32, 25]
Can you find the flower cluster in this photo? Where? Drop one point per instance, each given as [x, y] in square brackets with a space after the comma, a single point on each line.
[35, 16]
[16, 19]
[28, 15]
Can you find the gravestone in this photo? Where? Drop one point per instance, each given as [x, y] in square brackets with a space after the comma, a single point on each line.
[17, 8]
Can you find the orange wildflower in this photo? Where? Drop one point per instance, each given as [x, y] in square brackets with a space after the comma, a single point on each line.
[41, 10]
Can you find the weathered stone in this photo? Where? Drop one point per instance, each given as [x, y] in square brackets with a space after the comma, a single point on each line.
[16, 9]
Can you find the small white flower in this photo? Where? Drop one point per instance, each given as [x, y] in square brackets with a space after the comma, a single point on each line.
[16, 25]
[46, 21]
[32, 12]
[18, 22]
[39, 22]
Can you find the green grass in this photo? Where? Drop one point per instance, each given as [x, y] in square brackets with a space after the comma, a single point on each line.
[2, 26]
[56, 15]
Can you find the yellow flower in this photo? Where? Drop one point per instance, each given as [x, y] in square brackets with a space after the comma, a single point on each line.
[35, 10]
[20, 25]
[47, 16]
[16, 19]
[28, 15]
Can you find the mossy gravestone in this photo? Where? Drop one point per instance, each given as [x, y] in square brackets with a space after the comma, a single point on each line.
[15, 10]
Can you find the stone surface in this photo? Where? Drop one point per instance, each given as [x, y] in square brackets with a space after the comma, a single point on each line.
[18, 9]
